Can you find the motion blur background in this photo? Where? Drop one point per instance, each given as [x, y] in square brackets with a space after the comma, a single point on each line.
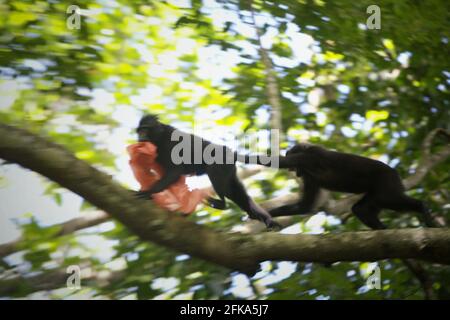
[221, 68]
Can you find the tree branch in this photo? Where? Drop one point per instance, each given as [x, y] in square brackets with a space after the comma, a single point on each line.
[272, 88]
[338, 207]
[93, 218]
[54, 279]
[88, 220]
[428, 160]
[234, 251]
[143, 219]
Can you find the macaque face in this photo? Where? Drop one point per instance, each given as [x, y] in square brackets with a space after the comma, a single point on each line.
[149, 128]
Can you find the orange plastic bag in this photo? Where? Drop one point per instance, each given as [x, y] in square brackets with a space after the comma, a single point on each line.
[147, 171]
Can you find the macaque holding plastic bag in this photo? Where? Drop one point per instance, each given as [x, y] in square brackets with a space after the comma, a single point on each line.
[147, 171]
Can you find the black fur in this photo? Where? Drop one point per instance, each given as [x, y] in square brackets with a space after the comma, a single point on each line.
[222, 175]
[343, 172]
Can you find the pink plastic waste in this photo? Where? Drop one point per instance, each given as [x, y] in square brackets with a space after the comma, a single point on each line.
[177, 197]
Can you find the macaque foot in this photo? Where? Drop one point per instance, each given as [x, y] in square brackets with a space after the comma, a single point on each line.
[217, 204]
[267, 220]
[272, 225]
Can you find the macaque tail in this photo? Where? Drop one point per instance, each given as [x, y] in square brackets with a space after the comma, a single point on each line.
[262, 160]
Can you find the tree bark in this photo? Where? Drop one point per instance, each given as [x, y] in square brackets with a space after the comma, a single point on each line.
[18, 285]
[234, 251]
[272, 89]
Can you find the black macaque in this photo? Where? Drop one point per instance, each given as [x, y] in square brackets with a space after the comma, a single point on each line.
[342, 172]
[221, 171]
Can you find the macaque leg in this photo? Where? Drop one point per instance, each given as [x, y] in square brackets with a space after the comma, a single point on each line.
[367, 211]
[304, 206]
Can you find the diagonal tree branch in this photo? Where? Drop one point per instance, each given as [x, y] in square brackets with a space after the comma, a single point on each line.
[146, 221]
[234, 251]
[88, 220]
[55, 279]
[91, 219]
